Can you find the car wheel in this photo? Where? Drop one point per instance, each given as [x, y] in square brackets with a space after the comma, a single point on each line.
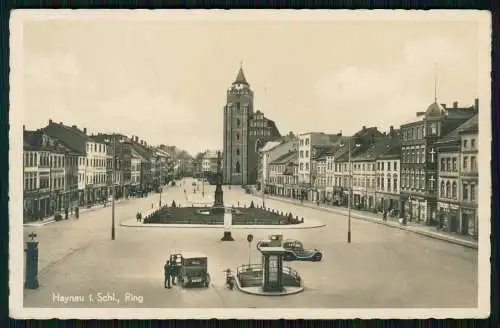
[317, 257]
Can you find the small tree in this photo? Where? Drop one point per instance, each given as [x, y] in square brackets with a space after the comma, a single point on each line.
[174, 205]
[252, 204]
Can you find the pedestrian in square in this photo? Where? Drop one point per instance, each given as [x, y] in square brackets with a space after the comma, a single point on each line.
[167, 272]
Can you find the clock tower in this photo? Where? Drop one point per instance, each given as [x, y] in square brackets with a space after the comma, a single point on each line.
[237, 113]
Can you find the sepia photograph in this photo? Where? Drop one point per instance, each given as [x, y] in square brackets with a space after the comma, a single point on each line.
[249, 164]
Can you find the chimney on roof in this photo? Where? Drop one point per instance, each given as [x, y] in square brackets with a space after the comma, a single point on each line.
[364, 127]
[84, 130]
[391, 129]
[50, 121]
[24, 127]
[476, 104]
[73, 126]
[455, 104]
[136, 139]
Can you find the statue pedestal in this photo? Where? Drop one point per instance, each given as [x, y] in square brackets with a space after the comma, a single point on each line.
[227, 236]
[228, 221]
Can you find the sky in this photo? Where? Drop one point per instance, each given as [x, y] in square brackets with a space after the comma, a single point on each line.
[165, 80]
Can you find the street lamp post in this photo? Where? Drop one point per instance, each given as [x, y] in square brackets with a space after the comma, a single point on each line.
[203, 183]
[161, 185]
[349, 196]
[113, 190]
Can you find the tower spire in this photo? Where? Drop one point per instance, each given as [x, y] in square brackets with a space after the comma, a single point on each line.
[240, 78]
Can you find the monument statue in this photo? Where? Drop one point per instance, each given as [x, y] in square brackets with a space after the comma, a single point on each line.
[219, 193]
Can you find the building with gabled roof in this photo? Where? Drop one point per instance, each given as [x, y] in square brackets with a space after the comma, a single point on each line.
[92, 177]
[388, 175]
[271, 151]
[458, 178]
[281, 174]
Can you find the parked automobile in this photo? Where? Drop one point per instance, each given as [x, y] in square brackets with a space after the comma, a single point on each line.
[194, 271]
[273, 241]
[295, 251]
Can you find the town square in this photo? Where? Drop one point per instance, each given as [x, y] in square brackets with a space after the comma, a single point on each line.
[201, 162]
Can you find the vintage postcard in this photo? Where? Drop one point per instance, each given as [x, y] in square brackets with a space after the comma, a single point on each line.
[249, 164]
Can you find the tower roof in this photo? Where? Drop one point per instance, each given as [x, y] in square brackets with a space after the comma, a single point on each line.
[240, 78]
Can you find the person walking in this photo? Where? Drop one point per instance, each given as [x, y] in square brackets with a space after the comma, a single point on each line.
[167, 272]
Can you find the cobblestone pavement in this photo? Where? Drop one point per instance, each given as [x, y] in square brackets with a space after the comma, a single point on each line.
[382, 267]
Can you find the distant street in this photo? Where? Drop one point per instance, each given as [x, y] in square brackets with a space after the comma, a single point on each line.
[382, 267]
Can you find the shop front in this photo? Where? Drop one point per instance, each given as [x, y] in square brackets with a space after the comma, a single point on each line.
[449, 217]
[339, 197]
[468, 221]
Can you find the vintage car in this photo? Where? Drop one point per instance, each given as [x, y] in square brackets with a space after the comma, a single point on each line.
[194, 271]
[273, 241]
[295, 252]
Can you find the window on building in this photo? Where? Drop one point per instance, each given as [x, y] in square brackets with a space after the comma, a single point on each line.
[382, 182]
[301, 166]
[302, 142]
[473, 163]
[307, 141]
[395, 166]
[388, 166]
[448, 164]
[465, 143]
[454, 190]
[307, 166]
[237, 136]
[472, 193]
[473, 143]
[307, 153]
[442, 193]
[433, 128]
[466, 163]
[301, 154]
[395, 183]
[422, 155]
[382, 165]
[238, 122]
[443, 164]
[388, 183]
[454, 164]
[465, 192]
[237, 152]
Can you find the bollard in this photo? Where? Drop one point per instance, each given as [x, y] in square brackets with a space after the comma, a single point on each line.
[77, 212]
[31, 263]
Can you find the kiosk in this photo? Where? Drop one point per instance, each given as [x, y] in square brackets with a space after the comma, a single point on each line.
[272, 268]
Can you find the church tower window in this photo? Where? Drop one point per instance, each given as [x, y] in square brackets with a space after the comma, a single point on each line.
[237, 136]
[237, 168]
[238, 122]
[237, 152]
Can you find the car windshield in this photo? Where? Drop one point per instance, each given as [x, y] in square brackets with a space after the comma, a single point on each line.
[194, 262]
